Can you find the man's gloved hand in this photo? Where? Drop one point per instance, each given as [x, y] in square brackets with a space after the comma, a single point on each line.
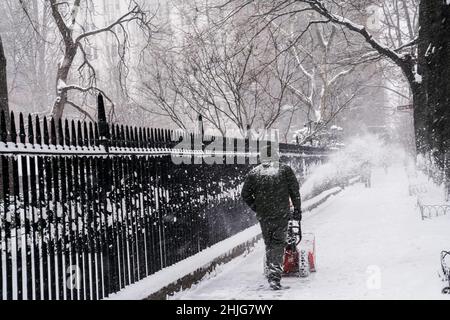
[297, 215]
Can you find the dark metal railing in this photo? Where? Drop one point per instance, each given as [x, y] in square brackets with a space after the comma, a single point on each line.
[428, 211]
[89, 208]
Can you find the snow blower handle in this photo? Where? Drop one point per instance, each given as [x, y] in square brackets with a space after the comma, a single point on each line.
[295, 231]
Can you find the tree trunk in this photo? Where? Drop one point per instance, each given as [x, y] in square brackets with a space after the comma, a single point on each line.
[3, 97]
[3, 82]
[420, 119]
[62, 77]
[434, 66]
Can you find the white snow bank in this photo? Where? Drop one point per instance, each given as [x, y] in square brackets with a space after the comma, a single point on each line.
[162, 278]
[312, 203]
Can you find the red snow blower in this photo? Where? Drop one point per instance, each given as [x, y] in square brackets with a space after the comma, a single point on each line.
[299, 254]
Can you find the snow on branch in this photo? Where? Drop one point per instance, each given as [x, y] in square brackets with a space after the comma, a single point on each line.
[74, 14]
[411, 43]
[80, 109]
[300, 94]
[63, 87]
[320, 8]
[340, 75]
[405, 62]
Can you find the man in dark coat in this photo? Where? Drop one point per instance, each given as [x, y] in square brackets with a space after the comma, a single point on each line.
[267, 190]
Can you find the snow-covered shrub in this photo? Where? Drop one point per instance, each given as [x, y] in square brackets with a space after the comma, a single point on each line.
[427, 164]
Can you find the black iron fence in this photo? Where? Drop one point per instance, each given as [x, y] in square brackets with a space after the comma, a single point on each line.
[428, 211]
[88, 208]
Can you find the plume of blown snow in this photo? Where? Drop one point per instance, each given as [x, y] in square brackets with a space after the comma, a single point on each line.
[346, 163]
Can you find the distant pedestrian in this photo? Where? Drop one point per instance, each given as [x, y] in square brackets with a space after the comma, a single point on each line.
[385, 165]
[366, 174]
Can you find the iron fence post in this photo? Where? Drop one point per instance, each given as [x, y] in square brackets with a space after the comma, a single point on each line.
[103, 127]
[104, 214]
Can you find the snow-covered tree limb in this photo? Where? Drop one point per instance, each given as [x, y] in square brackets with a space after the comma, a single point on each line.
[74, 44]
[405, 62]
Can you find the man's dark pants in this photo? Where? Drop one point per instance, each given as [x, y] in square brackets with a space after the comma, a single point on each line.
[274, 234]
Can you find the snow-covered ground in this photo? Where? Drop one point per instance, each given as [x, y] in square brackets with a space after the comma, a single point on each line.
[371, 244]
[144, 288]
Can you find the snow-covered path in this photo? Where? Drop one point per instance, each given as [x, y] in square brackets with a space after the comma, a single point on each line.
[371, 244]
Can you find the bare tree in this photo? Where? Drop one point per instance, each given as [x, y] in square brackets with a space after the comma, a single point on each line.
[327, 64]
[318, 75]
[423, 60]
[74, 24]
[233, 81]
[394, 23]
[73, 44]
[28, 40]
[244, 72]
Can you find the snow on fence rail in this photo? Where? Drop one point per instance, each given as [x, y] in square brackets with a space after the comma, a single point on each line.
[87, 209]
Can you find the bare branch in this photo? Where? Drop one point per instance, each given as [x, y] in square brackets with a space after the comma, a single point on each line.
[80, 109]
